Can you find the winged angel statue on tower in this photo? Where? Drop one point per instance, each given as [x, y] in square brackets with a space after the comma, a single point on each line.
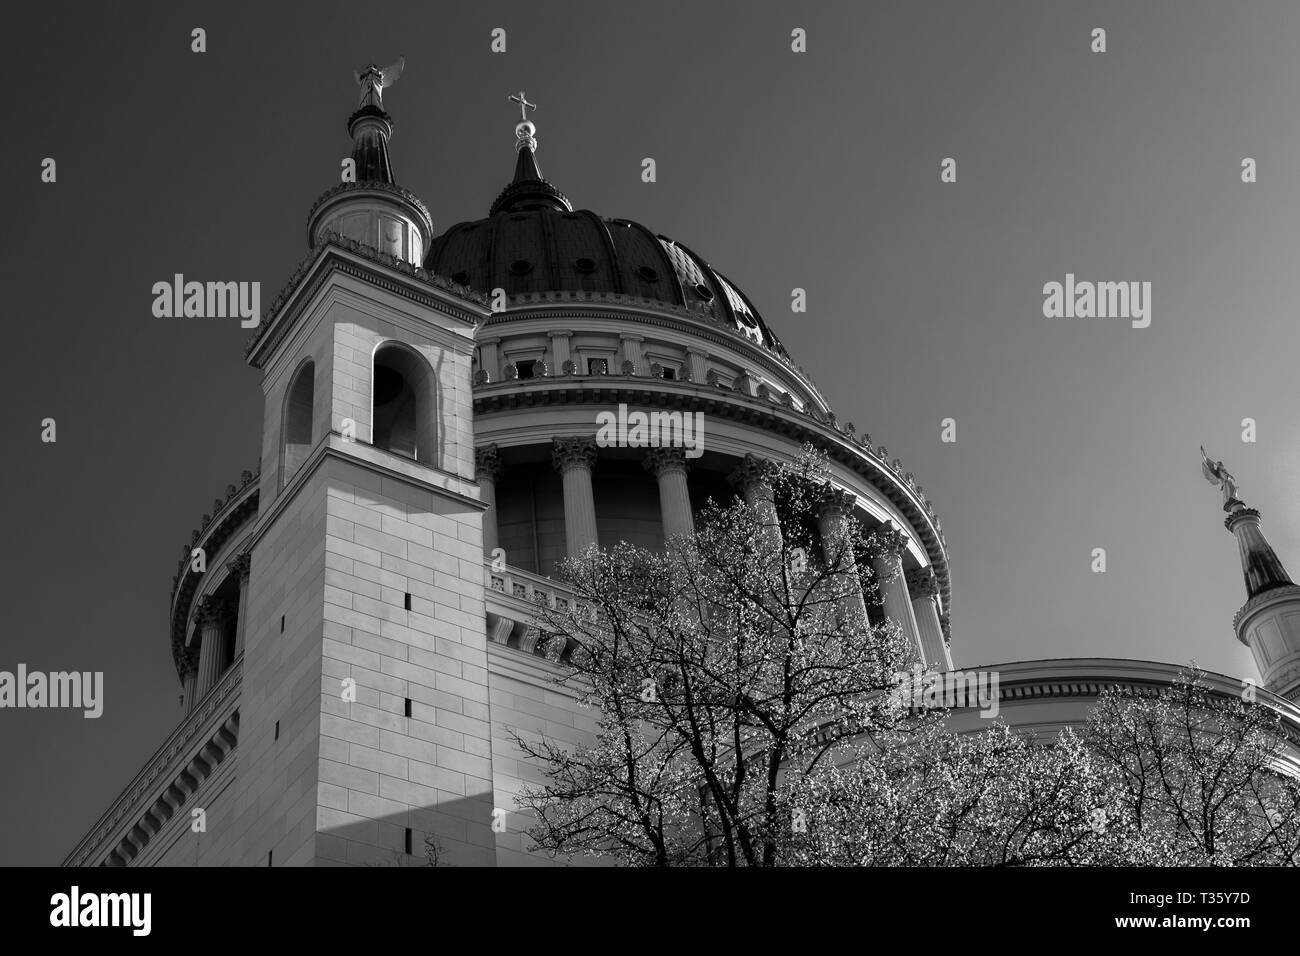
[373, 81]
[1216, 474]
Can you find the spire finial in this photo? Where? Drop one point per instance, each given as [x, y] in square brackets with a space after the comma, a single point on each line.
[1216, 474]
[1259, 563]
[528, 190]
[373, 81]
[524, 138]
[524, 105]
[370, 125]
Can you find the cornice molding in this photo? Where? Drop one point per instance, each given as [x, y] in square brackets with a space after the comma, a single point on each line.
[1089, 688]
[334, 254]
[182, 750]
[235, 513]
[372, 186]
[1278, 595]
[1082, 677]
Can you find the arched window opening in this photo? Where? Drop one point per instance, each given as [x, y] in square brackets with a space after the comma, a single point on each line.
[298, 419]
[404, 421]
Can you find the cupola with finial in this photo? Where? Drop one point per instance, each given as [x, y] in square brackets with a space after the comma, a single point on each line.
[528, 190]
[368, 206]
[1269, 622]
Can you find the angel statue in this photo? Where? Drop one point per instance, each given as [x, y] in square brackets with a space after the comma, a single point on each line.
[1216, 474]
[373, 81]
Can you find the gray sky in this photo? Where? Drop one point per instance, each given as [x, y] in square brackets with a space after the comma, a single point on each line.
[818, 170]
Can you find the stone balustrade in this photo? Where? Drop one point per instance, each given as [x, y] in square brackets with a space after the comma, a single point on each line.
[513, 599]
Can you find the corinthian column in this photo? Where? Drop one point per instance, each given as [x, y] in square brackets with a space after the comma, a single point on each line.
[752, 478]
[924, 591]
[574, 458]
[888, 566]
[669, 466]
[189, 678]
[833, 509]
[239, 567]
[211, 615]
[487, 469]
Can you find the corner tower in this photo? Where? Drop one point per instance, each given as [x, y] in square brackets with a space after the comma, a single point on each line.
[1269, 622]
[365, 702]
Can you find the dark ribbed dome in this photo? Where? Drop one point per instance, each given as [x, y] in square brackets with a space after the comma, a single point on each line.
[542, 246]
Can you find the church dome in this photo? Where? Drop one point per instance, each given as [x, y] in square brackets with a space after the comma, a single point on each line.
[533, 241]
[546, 249]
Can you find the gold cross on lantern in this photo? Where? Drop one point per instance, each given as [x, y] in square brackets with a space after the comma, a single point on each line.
[524, 105]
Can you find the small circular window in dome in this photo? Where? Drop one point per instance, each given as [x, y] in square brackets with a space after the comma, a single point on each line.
[704, 292]
[521, 267]
[585, 265]
[460, 278]
[645, 272]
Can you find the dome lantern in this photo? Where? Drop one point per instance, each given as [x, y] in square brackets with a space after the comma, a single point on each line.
[528, 190]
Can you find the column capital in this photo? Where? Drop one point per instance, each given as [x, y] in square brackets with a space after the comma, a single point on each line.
[487, 463]
[892, 543]
[240, 566]
[921, 583]
[892, 540]
[567, 453]
[944, 623]
[661, 461]
[212, 610]
[751, 471]
[189, 661]
[832, 501]
[630, 337]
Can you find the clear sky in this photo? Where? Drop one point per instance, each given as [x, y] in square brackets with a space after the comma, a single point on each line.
[818, 170]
